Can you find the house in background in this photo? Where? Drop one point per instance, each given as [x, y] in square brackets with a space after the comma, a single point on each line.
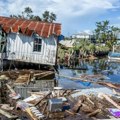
[29, 41]
[81, 35]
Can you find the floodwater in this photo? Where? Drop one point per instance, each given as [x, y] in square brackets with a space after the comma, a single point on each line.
[101, 66]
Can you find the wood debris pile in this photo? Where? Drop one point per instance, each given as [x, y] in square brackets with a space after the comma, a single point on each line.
[58, 104]
[25, 75]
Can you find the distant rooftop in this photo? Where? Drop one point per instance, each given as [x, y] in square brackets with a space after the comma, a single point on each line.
[82, 34]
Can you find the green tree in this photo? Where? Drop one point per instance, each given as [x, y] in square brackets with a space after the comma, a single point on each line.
[102, 31]
[52, 17]
[28, 14]
[49, 17]
[105, 33]
[46, 16]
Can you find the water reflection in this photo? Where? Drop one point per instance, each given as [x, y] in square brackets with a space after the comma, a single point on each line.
[99, 66]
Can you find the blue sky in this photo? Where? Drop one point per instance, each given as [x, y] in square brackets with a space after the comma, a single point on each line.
[74, 15]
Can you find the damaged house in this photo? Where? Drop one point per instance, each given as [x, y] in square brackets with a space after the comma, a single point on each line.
[28, 41]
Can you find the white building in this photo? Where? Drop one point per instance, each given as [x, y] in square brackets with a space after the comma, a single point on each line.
[82, 35]
[29, 41]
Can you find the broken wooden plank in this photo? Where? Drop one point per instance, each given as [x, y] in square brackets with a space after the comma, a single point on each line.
[77, 106]
[44, 108]
[11, 90]
[108, 84]
[116, 93]
[43, 98]
[39, 74]
[7, 114]
[28, 111]
[70, 112]
[28, 79]
[94, 113]
[109, 100]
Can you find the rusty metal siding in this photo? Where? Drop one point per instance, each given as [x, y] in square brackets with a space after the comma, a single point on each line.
[28, 27]
[20, 48]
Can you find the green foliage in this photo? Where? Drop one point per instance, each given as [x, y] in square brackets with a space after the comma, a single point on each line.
[61, 52]
[105, 33]
[85, 47]
[101, 48]
[48, 17]
[45, 16]
[28, 14]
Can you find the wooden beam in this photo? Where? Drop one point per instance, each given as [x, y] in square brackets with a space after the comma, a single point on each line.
[94, 113]
[109, 100]
[11, 90]
[7, 114]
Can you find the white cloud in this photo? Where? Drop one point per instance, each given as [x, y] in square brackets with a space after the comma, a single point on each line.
[82, 7]
[61, 7]
[67, 11]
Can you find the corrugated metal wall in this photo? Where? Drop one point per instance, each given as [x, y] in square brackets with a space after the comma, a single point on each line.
[40, 85]
[20, 47]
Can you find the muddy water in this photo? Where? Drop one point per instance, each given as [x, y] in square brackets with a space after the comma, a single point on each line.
[102, 66]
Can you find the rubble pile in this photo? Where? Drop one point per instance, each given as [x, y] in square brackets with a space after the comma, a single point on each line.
[55, 104]
[59, 104]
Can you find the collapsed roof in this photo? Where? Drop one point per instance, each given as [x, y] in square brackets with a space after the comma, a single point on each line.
[28, 27]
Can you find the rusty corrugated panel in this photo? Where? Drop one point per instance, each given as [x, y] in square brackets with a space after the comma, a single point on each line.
[28, 26]
[39, 28]
[24, 26]
[6, 28]
[42, 30]
[46, 30]
[11, 22]
[36, 25]
[29, 32]
[15, 27]
[6, 20]
[57, 29]
[32, 25]
[18, 22]
[1, 20]
[51, 31]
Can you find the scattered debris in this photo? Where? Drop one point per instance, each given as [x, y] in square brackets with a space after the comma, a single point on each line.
[115, 112]
[58, 103]
[7, 114]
